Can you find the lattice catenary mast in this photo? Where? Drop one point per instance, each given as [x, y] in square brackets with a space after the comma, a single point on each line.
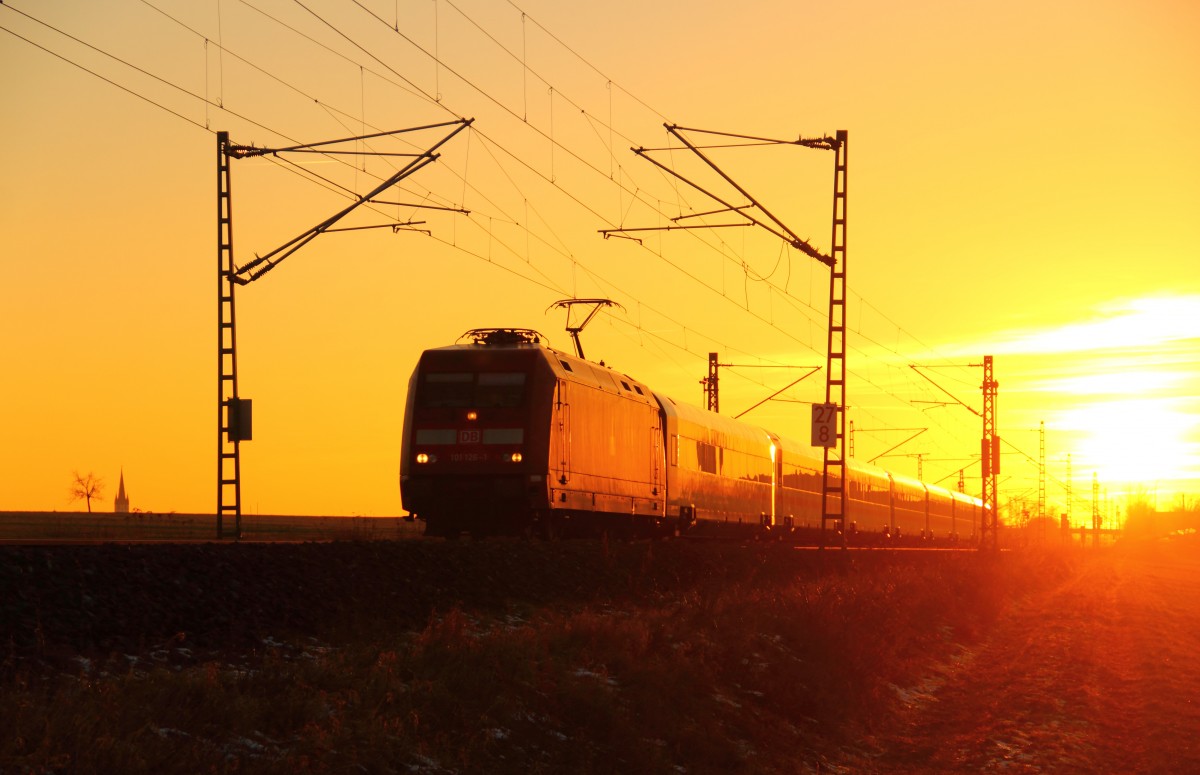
[990, 460]
[833, 413]
[989, 450]
[233, 412]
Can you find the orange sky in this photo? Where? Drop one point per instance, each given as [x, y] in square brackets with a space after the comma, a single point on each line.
[1023, 183]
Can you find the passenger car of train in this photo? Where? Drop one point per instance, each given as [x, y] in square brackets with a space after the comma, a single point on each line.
[504, 435]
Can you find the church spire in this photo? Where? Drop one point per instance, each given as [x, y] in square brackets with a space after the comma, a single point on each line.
[121, 502]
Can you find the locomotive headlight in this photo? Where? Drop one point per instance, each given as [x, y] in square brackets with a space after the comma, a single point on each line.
[472, 415]
[515, 457]
[423, 458]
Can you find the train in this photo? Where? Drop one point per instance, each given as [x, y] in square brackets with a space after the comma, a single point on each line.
[504, 435]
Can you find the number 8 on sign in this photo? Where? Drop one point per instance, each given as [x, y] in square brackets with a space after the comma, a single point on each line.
[824, 425]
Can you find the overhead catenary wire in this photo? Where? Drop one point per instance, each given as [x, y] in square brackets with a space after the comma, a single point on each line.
[282, 81]
[630, 189]
[514, 156]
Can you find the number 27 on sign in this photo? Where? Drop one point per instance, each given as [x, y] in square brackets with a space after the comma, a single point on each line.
[824, 425]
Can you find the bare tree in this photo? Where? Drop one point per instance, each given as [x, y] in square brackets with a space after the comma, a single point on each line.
[86, 488]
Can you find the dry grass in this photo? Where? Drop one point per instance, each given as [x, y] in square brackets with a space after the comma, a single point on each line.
[1097, 674]
[756, 662]
[34, 526]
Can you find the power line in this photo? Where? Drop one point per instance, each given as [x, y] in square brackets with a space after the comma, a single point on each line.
[586, 61]
[107, 80]
[512, 155]
[635, 193]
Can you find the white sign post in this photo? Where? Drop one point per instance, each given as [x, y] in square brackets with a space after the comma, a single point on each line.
[824, 425]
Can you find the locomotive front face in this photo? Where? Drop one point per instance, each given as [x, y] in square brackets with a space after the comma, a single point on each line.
[475, 439]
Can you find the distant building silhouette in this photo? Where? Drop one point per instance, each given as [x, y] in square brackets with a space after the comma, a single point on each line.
[121, 502]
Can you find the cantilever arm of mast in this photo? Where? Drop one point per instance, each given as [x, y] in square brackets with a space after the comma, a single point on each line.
[246, 151]
[792, 238]
[395, 227]
[737, 210]
[919, 431]
[825, 143]
[421, 206]
[622, 232]
[917, 368]
[618, 233]
[265, 263]
[772, 224]
[812, 370]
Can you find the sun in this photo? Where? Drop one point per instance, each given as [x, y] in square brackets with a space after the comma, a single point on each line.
[1130, 440]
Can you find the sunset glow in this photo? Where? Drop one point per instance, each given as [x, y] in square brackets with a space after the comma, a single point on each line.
[1143, 441]
[1146, 324]
[1022, 185]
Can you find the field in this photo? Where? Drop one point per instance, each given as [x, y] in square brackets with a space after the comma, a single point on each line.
[74, 527]
[590, 657]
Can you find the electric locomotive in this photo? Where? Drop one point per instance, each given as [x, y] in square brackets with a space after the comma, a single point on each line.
[504, 435]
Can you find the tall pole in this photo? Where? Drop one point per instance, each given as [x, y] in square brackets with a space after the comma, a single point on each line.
[234, 421]
[990, 461]
[1069, 495]
[834, 468]
[1042, 472]
[712, 395]
[832, 429]
[229, 463]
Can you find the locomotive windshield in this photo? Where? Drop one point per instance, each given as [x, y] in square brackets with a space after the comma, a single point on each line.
[460, 390]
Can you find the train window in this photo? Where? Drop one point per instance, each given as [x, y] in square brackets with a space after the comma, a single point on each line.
[566, 365]
[462, 389]
[500, 389]
[447, 389]
[706, 454]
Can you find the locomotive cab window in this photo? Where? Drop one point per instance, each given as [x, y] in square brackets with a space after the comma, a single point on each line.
[447, 389]
[500, 389]
[459, 390]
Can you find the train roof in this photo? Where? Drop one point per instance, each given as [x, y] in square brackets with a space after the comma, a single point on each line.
[962, 496]
[603, 377]
[685, 411]
[909, 481]
[564, 365]
[718, 425]
[598, 375]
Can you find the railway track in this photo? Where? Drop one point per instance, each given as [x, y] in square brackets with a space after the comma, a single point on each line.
[82, 529]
